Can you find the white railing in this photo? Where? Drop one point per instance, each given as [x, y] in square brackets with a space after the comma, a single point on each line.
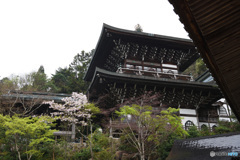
[155, 74]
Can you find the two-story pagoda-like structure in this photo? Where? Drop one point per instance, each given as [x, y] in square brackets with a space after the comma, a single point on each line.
[128, 64]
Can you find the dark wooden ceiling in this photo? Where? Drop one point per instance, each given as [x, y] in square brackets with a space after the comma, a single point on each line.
[214, 27]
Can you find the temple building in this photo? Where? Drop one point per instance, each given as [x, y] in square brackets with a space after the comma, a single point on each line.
[127, 64]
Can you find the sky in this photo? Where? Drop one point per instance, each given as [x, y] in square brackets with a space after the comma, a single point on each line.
[52, 32]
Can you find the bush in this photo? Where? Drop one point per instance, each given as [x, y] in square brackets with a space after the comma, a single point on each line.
[84, 154]
[24, 136]
[105, 154]
[193, 132]
[205, 131]
[165, 148]
[226, 126]
[126, 146]
[99, 140]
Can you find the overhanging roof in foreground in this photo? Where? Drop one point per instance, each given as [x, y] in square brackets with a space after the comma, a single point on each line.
[214, 27]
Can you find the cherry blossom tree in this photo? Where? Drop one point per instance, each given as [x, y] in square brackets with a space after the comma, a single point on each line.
[75, 109]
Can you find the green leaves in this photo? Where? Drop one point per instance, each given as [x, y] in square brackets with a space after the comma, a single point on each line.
[147, 131]
[135, 110]
[93, 108]
[26, 133]
[174, 120]
[70, 79]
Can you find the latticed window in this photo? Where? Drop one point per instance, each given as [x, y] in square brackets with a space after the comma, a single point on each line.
[188, 124]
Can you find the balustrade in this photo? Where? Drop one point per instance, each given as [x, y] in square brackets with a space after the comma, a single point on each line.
[154, 73]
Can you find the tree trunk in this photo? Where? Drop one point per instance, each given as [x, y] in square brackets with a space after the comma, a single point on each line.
[142, 157]
[91, 140]
[30, 156]
[19, 154]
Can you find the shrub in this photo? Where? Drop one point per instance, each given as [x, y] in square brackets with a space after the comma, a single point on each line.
[193, 132]
[84, 154]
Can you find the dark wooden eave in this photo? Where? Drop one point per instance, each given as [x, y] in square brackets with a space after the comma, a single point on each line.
[111, 35]
[214, 27]
[30, 96]
[174, 88]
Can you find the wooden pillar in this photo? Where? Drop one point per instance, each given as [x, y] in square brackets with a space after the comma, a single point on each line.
[208, 121]
[197, 117]
[111, 135]
[161, 66]
[229, 114]
[73, 132]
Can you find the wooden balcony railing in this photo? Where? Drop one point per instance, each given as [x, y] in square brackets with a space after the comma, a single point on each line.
[118, 124]
[155, 74]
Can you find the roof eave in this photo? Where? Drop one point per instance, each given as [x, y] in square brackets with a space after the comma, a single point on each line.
[191, 26]
[100, 72]
[141, 35]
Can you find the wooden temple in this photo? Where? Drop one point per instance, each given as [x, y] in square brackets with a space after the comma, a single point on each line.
[127, 64]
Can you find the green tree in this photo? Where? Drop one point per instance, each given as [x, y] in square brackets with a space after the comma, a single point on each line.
[7, 84]
[193, 132]
[70, 79]
[196, 69]
[34, 81]
[39, 80]
[164, 148]
[26, 135]
[26, 82]
[151, 131]
[200, 67]
[79, 67]
[101, 146]
[205, 131]
[76, 111]
[138, 28]
[61, 80]
[226, 127]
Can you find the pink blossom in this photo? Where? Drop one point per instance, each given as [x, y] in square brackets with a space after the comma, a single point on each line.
[72, 109]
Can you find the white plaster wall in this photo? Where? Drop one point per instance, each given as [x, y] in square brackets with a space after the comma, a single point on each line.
[188, 111]
[224, 105]
[224, 119]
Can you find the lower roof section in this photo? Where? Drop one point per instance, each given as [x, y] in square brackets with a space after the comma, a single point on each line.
[172, 91]
[146, 79]
[30, 96]
[217, 147]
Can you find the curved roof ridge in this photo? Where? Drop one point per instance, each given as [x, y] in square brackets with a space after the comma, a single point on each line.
[106, 26]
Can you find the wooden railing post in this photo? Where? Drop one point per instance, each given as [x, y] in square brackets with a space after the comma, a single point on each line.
[111, 128]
